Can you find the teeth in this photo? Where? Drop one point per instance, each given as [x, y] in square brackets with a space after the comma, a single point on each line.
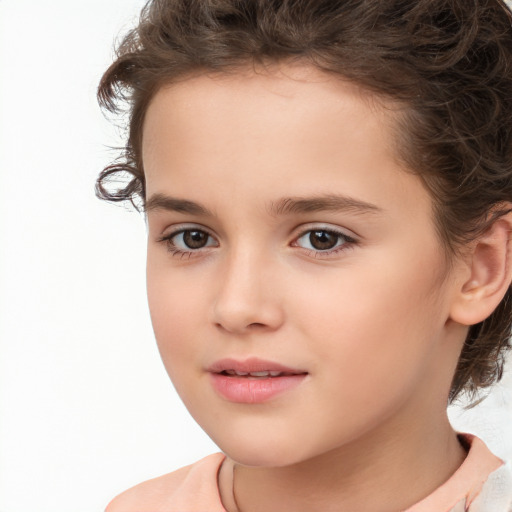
[264, 373]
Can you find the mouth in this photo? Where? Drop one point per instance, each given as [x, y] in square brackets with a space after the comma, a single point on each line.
[253, 380]
[253, 368]
[257, 375]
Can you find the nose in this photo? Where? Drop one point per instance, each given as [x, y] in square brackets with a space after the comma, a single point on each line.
[248, 297]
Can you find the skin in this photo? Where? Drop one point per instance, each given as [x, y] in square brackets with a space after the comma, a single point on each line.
[371, 321]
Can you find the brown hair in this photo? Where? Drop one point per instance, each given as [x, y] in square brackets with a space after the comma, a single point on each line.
[448, 61]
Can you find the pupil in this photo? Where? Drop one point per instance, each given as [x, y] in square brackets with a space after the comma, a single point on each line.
[195, 239]
[323, 240]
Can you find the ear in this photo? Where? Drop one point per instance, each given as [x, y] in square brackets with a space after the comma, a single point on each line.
[487, 274]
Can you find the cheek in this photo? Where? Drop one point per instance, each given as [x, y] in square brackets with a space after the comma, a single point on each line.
[175, 309]
[377, 325]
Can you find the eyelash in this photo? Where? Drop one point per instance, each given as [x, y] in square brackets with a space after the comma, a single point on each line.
[181, 253]
[347, 242]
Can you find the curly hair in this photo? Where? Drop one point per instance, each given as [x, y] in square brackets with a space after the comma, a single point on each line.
[449, 62]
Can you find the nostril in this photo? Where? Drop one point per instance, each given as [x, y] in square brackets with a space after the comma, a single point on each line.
[247, 327]
[256, 325]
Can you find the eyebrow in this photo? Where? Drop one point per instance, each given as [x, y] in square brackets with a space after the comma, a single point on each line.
[163, 202]
[329, 202]
[281, 207]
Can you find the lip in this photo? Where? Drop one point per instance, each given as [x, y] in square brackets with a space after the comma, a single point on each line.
[252, 364]
[252, 390]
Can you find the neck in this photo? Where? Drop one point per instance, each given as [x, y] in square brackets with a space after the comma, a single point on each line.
[378, 473]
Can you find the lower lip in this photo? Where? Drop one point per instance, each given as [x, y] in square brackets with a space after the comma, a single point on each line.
[246, 390]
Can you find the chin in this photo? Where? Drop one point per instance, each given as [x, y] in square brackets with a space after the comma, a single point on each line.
[262, 452]
[257, 458]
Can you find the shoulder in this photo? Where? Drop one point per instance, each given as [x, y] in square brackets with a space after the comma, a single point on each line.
[185, 489]
[149, 494]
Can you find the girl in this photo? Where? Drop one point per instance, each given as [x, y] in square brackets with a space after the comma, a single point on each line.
[327, 186]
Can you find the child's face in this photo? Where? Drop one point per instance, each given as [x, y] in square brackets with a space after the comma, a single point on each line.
[302, 243]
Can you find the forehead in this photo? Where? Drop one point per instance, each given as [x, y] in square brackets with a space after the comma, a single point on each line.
[275, 97]
[294, 127]
[284, 81]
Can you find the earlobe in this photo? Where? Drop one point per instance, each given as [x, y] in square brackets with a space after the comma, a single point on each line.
[490, 274]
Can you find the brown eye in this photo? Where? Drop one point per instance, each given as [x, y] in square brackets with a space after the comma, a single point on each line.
[194, 239]
[326, 241]
[189, 241]
[322, 240]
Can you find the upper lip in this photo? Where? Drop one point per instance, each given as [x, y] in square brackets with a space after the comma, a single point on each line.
[252, 364]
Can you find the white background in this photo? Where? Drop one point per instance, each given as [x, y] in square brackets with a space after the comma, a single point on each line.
[86, 409]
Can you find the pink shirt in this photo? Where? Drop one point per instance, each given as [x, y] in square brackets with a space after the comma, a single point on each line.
[483, 483]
